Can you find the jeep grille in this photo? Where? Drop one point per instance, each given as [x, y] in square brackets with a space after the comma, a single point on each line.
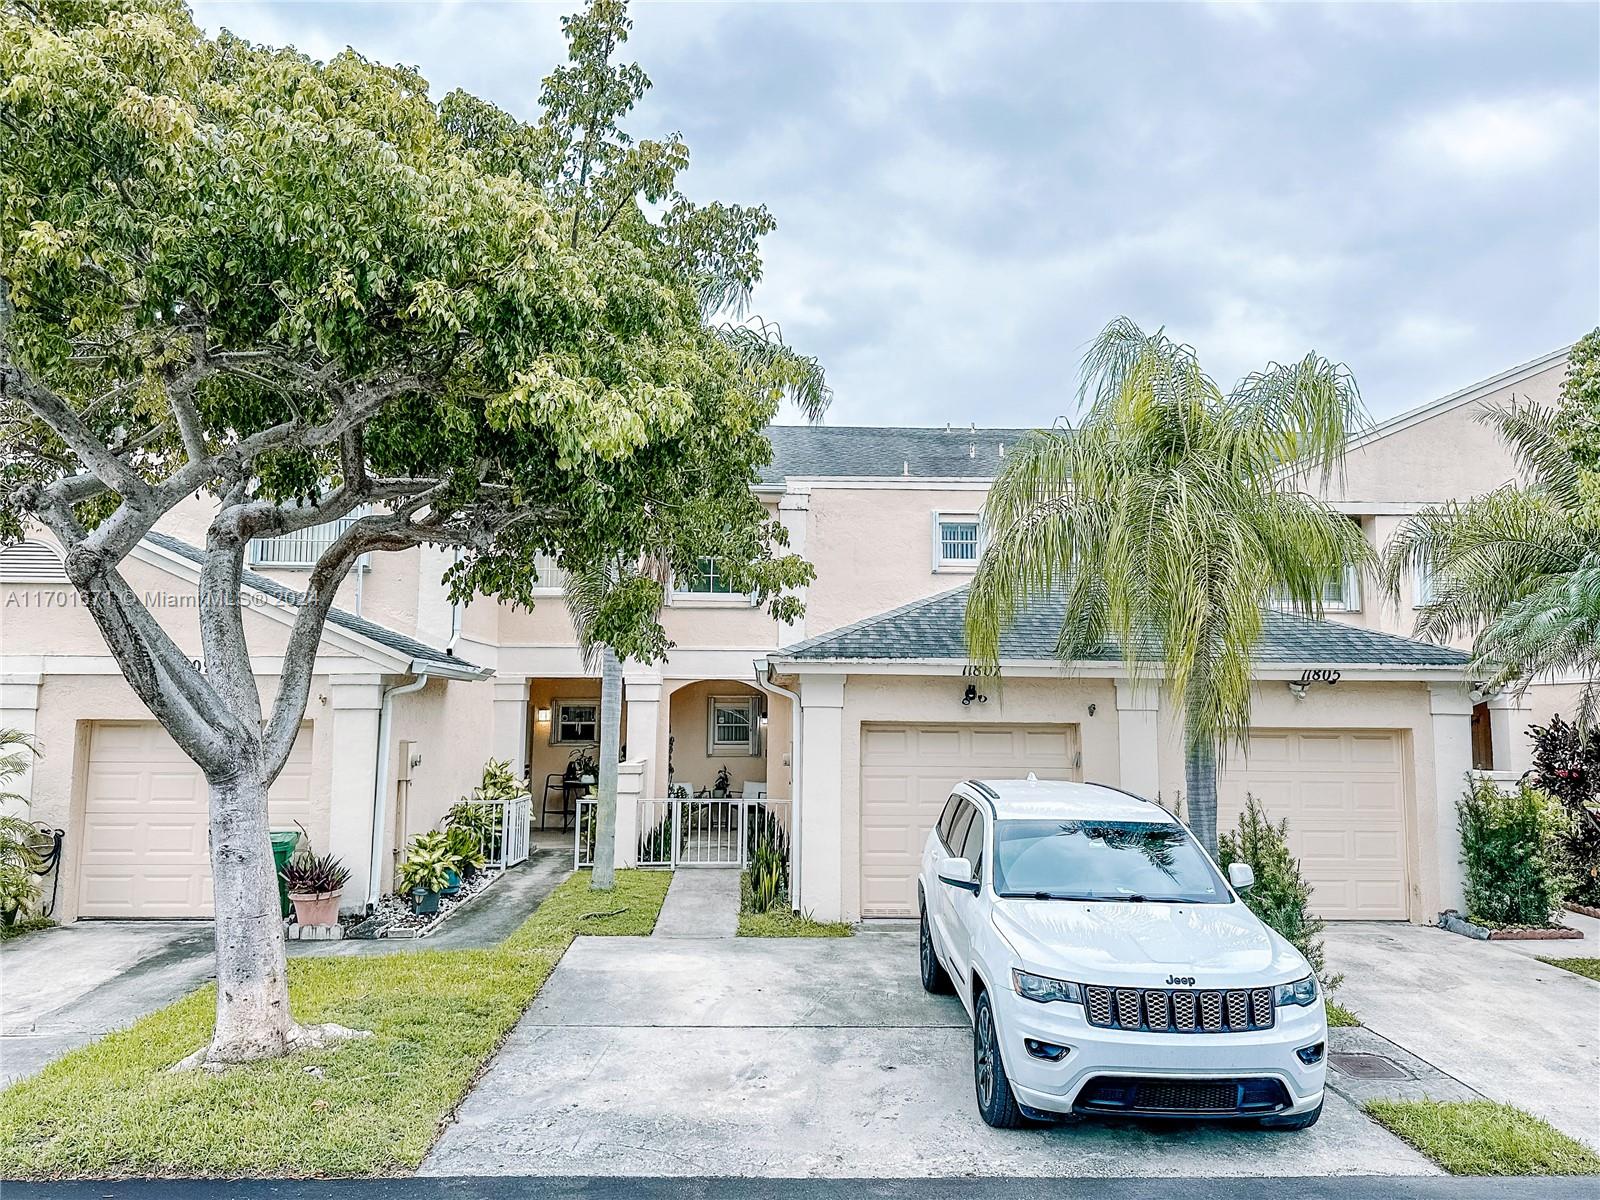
[1165, 1010]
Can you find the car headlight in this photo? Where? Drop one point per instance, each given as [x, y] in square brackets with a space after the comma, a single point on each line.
[1044, 989]
[1301, 992]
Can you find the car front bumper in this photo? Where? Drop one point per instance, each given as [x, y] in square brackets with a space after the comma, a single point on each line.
[1095, 1053]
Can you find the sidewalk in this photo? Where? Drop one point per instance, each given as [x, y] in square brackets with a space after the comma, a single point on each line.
[701, 903]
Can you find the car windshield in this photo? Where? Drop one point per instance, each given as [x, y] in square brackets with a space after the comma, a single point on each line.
[1130, 861]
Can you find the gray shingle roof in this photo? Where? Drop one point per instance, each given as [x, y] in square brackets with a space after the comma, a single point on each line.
[881, 451]
[371, 630]
[932, 628]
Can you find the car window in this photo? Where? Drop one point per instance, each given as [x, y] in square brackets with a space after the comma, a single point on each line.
[1130, 861]
[972, 847]
[958, 831]
[947, 818]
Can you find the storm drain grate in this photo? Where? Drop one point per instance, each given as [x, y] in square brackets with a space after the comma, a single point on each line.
[1367, 1066]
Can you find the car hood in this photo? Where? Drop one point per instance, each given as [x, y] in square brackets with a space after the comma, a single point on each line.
[1216, 945]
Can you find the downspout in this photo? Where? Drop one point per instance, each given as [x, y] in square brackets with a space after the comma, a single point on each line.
[796, 736]
[380, 787]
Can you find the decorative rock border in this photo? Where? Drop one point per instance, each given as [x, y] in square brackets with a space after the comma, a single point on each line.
[1583, 910]
[1456, 923]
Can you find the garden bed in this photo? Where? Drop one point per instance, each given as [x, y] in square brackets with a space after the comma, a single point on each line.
[1456, 923]
[392, 916]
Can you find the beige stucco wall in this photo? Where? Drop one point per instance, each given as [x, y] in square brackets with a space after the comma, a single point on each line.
[873, 550]
[690, 708]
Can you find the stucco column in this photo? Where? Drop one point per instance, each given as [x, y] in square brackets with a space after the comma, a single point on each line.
[19, 710]
[356, 700]
[1138, 707]
[643, 694]
[821, 832]
[1451, 706]
[794, 513]
[1509, 717]
[509, 739]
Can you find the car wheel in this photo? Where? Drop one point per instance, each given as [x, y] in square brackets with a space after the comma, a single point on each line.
[1303, 1120]
[996, 1103]
[934, 977]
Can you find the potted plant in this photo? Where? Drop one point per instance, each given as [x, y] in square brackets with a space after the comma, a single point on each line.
[426, 871]
[315, 882]
[467, 845]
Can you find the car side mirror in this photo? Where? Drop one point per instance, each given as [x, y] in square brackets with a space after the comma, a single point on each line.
[1241, 875]
[957, 872]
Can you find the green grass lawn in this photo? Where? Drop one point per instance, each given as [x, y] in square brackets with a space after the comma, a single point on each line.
[1480, 1137]
[1589, 968]
[366, 1107]
[1340, 1017]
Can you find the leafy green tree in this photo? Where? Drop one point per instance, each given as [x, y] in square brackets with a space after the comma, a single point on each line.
[1519, 567]
[1166, 521]
[308, 292]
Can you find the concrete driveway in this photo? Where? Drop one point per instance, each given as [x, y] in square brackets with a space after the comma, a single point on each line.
[1489, 1015]
[756, 1057]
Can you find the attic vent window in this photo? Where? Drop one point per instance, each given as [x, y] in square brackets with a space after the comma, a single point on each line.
[31, 562]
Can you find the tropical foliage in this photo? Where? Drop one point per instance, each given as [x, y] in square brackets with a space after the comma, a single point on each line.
[1166, 521]
[1281, 896]
[19, 862]
[1566, 764]
[306, 292]
[1511, 849]
[1519, 567]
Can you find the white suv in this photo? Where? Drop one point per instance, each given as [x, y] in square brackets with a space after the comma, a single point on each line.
[1107, 966]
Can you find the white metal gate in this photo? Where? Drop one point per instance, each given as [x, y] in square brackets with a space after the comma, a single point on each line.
[694, 832]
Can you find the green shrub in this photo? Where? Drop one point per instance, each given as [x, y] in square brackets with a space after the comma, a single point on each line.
[1281, 896]
[1566, 763]
[1512, 850]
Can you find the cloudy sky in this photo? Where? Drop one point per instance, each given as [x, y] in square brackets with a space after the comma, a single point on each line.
[966, 194]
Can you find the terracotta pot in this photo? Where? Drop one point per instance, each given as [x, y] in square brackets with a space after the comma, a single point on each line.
[316, 908]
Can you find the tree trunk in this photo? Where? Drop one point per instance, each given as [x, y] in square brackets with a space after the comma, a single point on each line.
[605, 826]
[1200, 780]
[253, 1018]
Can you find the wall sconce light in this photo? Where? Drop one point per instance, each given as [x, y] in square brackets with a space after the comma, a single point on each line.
[1091, 710]
[972, 694]
[543, 716]
[1297, 689]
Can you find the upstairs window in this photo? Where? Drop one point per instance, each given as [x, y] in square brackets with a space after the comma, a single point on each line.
[302, 548]
[551, 577]
[1424, 586]
[709, 578]
[957, 541]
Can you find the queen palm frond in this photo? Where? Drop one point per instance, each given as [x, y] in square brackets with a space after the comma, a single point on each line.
[1554, 627]
[1532, 435]
[764, 357]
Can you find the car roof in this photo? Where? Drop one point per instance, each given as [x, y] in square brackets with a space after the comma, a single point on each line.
[1052, 799]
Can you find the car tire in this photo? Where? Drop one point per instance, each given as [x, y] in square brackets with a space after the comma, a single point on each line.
[996, 1102]
[1303, 1120]
[935, 978]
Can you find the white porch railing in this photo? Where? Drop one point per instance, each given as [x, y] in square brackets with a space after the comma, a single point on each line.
[694, 832]
[506, 843]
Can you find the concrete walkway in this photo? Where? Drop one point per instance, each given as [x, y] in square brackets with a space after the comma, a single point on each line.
[797, 1057]
[701, 903]
[1494, 1018]
[62, 988]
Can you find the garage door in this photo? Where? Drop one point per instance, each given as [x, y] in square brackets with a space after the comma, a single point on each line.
[145, 847]
[907, 772]
[1344, 796]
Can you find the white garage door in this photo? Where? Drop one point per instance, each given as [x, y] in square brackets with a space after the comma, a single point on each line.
[1344, 796]
[907, 772]
[145, 845]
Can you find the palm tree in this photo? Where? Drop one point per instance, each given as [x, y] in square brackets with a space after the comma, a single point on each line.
[1519, 567]
[1166, 521]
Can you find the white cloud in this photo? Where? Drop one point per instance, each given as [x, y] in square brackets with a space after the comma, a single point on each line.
[1488, 138]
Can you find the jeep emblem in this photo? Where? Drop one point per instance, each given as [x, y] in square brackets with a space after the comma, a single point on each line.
[1184, 980]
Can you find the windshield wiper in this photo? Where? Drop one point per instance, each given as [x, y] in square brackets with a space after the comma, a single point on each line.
[1046, 896]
